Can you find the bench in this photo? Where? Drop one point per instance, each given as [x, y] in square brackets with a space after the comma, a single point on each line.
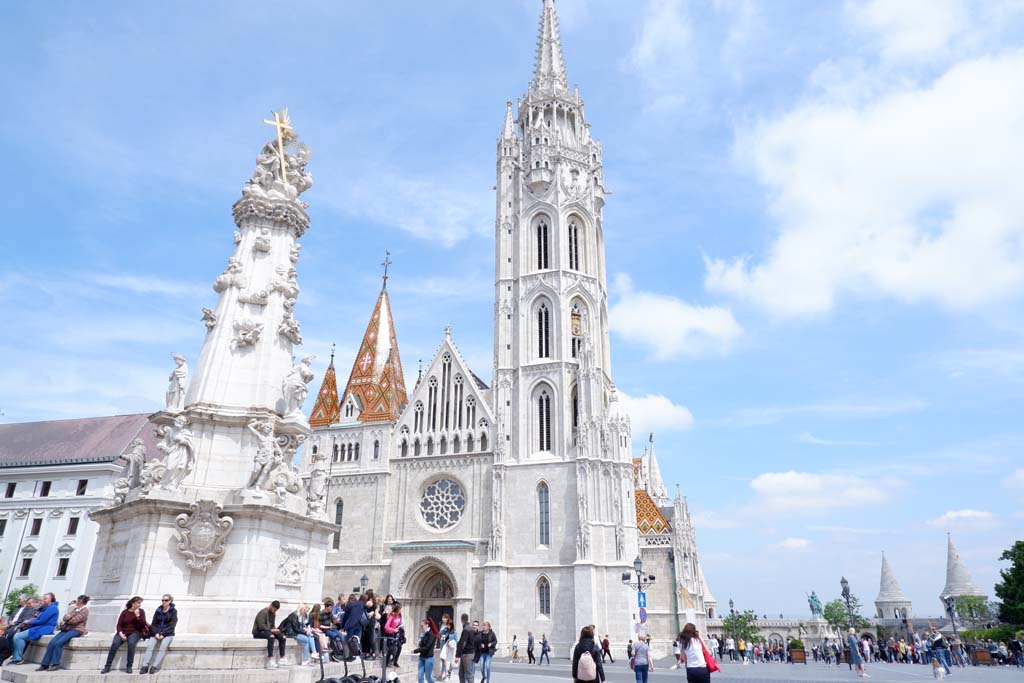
[984, 658]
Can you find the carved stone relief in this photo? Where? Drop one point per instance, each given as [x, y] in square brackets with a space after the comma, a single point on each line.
[201, 534]
[291, 565]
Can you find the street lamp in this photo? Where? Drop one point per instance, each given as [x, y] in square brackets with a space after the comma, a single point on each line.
[846, 596]
[732, 607]
[951, 610]
[364, 581]
[642, 580]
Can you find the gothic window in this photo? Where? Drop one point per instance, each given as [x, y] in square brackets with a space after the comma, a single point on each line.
[483, 441]
[543, 261]
[314, 449]
[576, 320]
[418, 417]
[574, 245]
[376, 450]
[416, 447]
[356, 456]
[543, 331]
[459, 393]
[543, 515]
[339, 513]
[405, 448]
[469, 443]
[470, 412]
[430, 445]
[575, 408]
[336, 456]
[544, 597]
[456, 444]
[432, 404]
[446, 390]
[442, 504]
[443, 444]
[544, 421]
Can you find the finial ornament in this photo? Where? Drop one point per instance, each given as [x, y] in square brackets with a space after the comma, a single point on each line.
[386, 263]
[283, 124]
[332, 353]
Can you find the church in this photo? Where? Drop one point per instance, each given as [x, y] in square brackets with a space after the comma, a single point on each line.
[518, 502]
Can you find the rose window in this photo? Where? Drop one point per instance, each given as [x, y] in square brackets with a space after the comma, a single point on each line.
[442, 504]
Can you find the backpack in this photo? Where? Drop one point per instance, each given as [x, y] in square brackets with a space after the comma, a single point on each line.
[586, 670]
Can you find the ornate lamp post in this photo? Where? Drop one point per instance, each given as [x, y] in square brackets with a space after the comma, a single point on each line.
[951, 611]
[364, 581]
[732, 607]
[846, 596]
[642, 580]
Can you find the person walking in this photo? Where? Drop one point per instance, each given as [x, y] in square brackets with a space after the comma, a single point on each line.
[941, 650]
[856, 660]
[587, 664]
[642, 665]
[529, 648]
[446, 635]
[425, 649]
[465, 650]
[487, 647]
[161, 630]
[606, 649]
[71, 626]
[131, 628]
[515, 649]
[545, 650]
[730, 646]
[695, 656]
[34, 628]
[263, 628]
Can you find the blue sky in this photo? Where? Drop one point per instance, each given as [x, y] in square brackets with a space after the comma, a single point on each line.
[815, 236]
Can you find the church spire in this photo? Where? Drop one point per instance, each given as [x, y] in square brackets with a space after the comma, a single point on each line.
[327, 409]
[376, 379]
[958, 579]
[549, 69]
[508, 131]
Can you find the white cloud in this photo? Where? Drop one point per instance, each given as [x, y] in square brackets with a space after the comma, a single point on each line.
[841, 410]
[655, 413]
[807, 437]
[1003, 363]
[964, 518]
[1015, 482]
[910, 29]
[148, 284]
[661, 54]
[912, 196]
[844, 530]
[670, 327]
[793, 544]
[810, 492]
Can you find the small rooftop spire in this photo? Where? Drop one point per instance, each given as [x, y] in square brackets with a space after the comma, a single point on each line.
[331, 364]
[549, 70]
[508, 131]
[386, 263]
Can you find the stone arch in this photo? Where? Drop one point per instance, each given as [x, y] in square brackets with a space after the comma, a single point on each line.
[419, 579]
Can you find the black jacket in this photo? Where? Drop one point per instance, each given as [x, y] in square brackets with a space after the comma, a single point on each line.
[426, 647]
[351, 619]
[467, 642]
[163, 622]
[587, 645]
[487, 643]
[292, 626]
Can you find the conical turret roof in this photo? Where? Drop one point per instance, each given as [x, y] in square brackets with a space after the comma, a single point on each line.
[327, 409]
[376, 378]
[549, 69]
[508, 130]
[958, 579]
[889, 589]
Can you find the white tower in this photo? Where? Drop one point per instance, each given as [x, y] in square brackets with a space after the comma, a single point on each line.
[891, 603]
[554, 400]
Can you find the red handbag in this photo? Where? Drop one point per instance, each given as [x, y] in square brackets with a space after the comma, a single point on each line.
[708, 659]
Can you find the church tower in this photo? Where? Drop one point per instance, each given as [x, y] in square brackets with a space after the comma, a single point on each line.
[559, 435]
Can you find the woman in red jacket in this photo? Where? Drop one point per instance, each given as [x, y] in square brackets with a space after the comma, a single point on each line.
[131, 627]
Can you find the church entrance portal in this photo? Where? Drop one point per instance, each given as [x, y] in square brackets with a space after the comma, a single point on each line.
[430, 592]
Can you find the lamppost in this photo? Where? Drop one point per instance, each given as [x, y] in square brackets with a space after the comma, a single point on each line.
[732, 607]
[846, 596]
[951, 610]
[364, 581]
[642, 580]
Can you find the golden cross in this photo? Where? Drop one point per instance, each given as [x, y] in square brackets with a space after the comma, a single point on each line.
[281, 123]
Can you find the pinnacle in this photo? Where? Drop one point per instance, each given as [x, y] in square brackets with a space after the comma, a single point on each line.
[549, 70]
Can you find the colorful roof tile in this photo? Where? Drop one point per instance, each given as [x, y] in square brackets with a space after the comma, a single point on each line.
[649, 519]
[376, 378]
[327, 409]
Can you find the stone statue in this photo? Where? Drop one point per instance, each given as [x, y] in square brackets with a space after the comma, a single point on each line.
[815, 605]
[281, 165]
[497, 538]
[293, 252]
[209, 318]
[290, 329]
[268, 455]
[620, 542]
[238, 237]
[180, 458]
[295, 386]
[286, 281]
[178, 382]
[316, 490]
[262, 241]
[231, 277]
[135, 458]
[247, 332]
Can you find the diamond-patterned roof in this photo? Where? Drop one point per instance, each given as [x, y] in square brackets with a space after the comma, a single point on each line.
[327, 409]
[376, 378]
[649, 519]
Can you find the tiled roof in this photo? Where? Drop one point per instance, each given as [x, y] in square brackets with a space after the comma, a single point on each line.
[376, 377]
[62, 442]
[649, 519]
[327, 409]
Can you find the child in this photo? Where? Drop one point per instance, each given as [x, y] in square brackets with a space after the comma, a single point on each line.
[938, 671]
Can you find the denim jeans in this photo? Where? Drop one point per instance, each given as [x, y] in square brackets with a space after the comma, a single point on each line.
[18, 645]
[156, 650]
[55, 649]
[308, 644]
[640, 670]
[485, 667]
[115, 645]
[944, 659]
[425, 670]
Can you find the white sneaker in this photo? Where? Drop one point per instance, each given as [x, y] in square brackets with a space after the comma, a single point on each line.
[271, 664]
[284, 662]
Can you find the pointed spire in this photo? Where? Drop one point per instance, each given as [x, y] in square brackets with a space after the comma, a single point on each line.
[657, 485]
[376, 379]
[888, 588]
[958, 579]
[549, 70]
[508, 131]
[327, 409]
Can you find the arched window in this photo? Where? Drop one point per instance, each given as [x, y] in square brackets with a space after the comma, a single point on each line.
[543, 515]
[576, 320]
[314, 449]
[376, 450]
[543, 331]
[339, 514]
[483, 441]
[416, 447]
[405, 448]
[544, 421]
[470, 412]
[430, 445]
[456, 444]
[336, 456]
[469, 443]
[356, 456]
[418, 417]
[544, 597]
[351, 451]
[574, 245]
[432, 404]
[542, 245]
[443, 445]
[575, 408]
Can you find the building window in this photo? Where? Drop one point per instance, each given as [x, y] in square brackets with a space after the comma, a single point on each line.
[542, 245]
[314, 449]
[416, 447]
[574, 246]
[543, 514]
[44, 489]
[543, 331]
[336, 454]
[3, 527]
[9, 493]
[62, 566]
[483, 442]
[339, 514]
[72, 526]
[82, 485]
[544, 421]
[376, 450]
[405, 449]
[356, 457]
[37, 526]
[575, 408]
[544, 597]
[26, 566]
[469, 443]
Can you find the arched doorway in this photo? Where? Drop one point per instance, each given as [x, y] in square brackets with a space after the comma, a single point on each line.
[428, 589]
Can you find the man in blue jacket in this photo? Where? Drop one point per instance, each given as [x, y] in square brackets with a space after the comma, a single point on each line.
[41, 625]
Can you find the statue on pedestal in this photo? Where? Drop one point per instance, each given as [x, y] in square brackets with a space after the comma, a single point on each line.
[295, 386]
[180, 457]
[815, 604]
[135, 458]
[316, 491]
[178, 383]
[268, 455]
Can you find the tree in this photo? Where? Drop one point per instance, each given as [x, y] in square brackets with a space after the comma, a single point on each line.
[972, 610]
[838, 617]
[11, 602]
[741, 625]
[1011, 589]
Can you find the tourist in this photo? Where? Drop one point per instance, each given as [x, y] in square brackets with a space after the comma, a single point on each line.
[465, 650]
[641, 662]
[316, 631]
[425, 649]
[391, 626]
[675, 654]
[587, 663]
[941, 650]
[486, 648]
[263, 629]
[714, 645]
[71, 626]
[1015, 648]
[530, 659]
[28, 610]
[856, 660]
[372, 625]
[444, 634]
[161, 630]
[296, 625]
[695, 656]
[328, 621]
[629, 649]
[339, 609]
[730, 647]
[545, 650]
[35, 627]
[131, 628]
[515, 649]
[606, 649]
[741, 647]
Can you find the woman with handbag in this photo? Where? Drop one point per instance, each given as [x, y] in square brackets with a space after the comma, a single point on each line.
[641, 662]
[71, 626]
[695, 656]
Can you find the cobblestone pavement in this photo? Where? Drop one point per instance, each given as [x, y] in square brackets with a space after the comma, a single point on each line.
[619, 672]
